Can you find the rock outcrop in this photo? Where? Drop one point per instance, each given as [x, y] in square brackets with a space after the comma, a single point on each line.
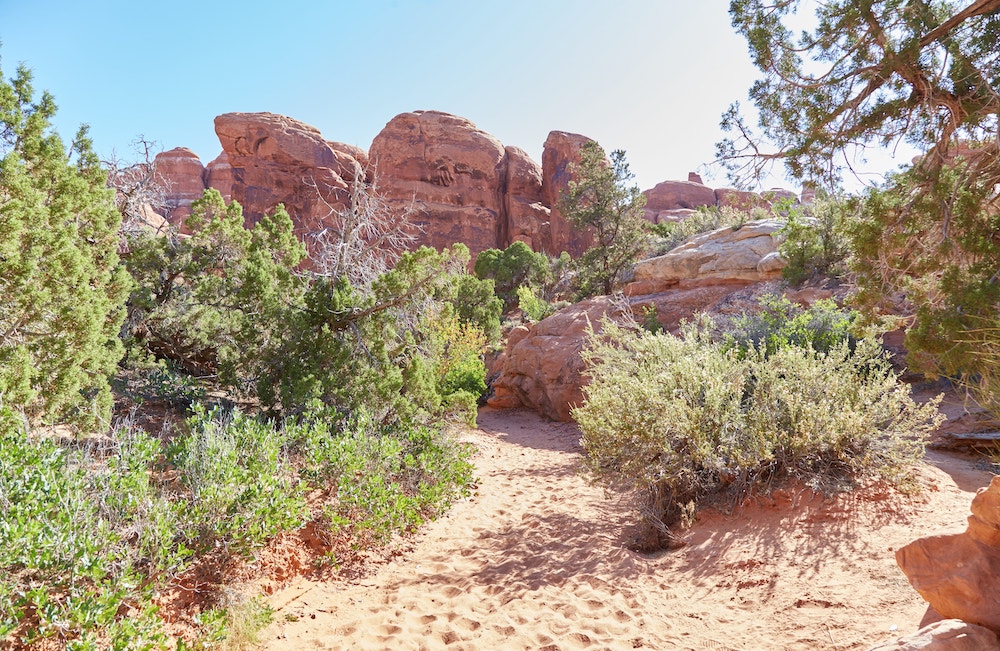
[958, 574]
[276, 159]
[561, 150]
[447, 172]
[182, 175]
[725, 256]
[457, 182]
[946, 635]
[219, 175]
[526, 215]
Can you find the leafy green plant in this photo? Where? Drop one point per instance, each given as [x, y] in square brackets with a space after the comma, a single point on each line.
[780, 323]
[678, 421]
[514, 267]
[241, 487]
[815, 240]
[534, 307]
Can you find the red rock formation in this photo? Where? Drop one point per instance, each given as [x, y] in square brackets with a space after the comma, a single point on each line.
[219, 175]
[560, 151]
[448, 171]
[958, 574]
[526, 216]
[276, 159]
[670, 195]
[739, 199]
[181, 172]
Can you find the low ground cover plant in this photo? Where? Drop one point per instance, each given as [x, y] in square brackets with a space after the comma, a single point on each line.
[681, 421]
[92, 530]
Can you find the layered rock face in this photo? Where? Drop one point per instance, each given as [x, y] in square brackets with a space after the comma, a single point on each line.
[958, 574]
[460, 183]
[183, 177]
[725, 256]
[275, 159]
[561, 151]
[448, 173]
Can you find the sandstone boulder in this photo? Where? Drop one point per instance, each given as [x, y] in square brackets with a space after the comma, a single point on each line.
[946, 635]
[181, 172]
[742, 256]
[276, 159]
[543, 369]
[448, 171]
[560, 152]
[671, 195]
[958, 574]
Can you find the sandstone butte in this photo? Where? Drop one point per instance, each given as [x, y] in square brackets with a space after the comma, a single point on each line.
[461, 183]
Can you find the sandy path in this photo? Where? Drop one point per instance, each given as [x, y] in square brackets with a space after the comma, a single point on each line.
[534, 560]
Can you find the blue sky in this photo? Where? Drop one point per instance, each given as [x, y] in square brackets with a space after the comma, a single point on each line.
[651, 77]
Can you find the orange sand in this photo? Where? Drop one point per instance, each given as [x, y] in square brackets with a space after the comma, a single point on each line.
[535, 560]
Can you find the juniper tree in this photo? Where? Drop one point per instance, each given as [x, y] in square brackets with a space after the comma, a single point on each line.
[600, 201]
[874, 74]
[62, 290]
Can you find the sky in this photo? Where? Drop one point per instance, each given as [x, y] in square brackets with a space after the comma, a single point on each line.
[651, 77]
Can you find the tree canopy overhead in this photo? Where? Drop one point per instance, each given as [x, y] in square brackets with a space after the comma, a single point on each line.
[877, 73]
[868, 73]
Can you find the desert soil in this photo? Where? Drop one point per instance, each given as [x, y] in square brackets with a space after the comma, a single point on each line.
[536, 559]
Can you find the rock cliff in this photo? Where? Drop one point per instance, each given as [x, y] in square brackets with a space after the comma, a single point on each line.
[460, 183]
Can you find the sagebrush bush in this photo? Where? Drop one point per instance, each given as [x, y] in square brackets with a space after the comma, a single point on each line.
[676, 421]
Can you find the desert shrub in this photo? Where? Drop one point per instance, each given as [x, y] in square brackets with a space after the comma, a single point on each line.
[68, 552]
[385, 481]
[241, 489]
[534, 307]
[780, 323]
[514, 267]
[815, 239]
[678, 421]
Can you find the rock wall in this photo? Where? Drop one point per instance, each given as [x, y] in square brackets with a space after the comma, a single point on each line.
[461, 183]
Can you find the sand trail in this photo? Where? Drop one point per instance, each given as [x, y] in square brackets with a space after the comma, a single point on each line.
[535, 560]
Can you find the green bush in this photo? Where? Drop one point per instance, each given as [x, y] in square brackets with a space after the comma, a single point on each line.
[514, 267]
[678, 421]
[816, 240]
[62, 290]
[781, 323]
[534, 307]
[241, 489]
[384, 481]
